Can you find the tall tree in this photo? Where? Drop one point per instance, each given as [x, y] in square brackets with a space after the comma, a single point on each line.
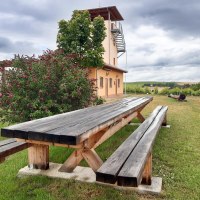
[82, 38]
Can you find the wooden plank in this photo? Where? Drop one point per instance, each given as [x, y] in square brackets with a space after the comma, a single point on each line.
[132, 170]
[109, 170]
[79, 132]
[78, 146]
[84, 131]
[12, 148]
[64, 117]
[72, 116]
[8, 141]
[92, 158]
[38, 156]
[78, 124]
[55, 137]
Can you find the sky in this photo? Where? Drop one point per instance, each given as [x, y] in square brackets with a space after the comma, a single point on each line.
[162, 36]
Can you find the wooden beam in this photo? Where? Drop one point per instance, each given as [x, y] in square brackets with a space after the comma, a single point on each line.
[140, 117]
[73, 160]
[91, 141]
[38, 156]
[147, 173]
[78, 146]
[92, 158]
[11, 148]
[115, 128]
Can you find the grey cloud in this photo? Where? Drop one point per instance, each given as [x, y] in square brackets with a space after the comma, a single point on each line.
[191, 59]
[175, 73]
[180, 17]
[146, 48]
[19, 47]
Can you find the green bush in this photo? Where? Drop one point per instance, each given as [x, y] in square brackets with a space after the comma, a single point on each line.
[44, 86]
[99, 101]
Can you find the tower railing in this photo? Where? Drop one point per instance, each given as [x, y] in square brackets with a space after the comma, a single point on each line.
[117, 31]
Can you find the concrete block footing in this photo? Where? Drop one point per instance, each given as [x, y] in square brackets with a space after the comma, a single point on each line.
[86, 174]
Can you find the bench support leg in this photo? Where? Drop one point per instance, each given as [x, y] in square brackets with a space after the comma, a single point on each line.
[146, 177]
[165, 121]
[38, 156]
[73, 160]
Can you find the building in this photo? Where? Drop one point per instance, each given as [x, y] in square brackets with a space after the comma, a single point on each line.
[109, 79]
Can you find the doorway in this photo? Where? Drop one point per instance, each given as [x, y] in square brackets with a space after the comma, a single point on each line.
[106, 87]
[115, 86]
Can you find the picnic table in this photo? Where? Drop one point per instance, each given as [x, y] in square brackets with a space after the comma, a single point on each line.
[83, 130]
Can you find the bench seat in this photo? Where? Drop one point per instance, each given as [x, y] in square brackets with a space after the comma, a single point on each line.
[9, 147]
[127, 164]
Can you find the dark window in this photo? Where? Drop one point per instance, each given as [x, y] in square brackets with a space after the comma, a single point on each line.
[110, 82]
[113, 61]
[101, 82]
[118, 82]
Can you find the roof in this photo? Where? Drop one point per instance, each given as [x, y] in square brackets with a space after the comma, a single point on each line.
[104, 12]
[111, 67]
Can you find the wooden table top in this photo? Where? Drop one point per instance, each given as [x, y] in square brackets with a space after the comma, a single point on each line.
[74, 127]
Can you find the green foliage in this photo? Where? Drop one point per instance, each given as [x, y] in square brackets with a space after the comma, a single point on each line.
[140, 88]
[82, 38]
[156, 90]
[44, 86]
[99, 101]
[195, 87]
[147, 90]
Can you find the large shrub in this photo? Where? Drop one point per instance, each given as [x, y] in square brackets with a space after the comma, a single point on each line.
[43, 86]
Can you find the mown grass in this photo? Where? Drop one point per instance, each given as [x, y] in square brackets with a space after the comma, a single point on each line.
[176, 156]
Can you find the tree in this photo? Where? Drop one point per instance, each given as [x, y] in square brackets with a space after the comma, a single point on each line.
[44, 86]
[82, 38]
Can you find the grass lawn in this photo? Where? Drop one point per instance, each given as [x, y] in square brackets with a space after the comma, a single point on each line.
[176, 158]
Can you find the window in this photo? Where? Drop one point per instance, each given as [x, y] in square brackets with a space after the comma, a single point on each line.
[118, 82]
[114, 61]
[101, 82]
[110, 82]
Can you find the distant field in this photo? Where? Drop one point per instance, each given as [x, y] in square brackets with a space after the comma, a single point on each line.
[141, 84]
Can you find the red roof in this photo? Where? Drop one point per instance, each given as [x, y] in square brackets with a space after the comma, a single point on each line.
[105, 11]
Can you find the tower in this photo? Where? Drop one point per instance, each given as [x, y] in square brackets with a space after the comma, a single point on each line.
[114, 43]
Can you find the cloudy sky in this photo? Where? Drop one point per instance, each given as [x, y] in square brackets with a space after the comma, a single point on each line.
[162, 36]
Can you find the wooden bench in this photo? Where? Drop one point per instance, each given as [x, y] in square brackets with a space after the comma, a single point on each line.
[131, 163]
[11, 146]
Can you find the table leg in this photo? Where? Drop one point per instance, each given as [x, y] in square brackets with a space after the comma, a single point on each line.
[74, 159]
[92, 158]
[140, 117]
[38, 156]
